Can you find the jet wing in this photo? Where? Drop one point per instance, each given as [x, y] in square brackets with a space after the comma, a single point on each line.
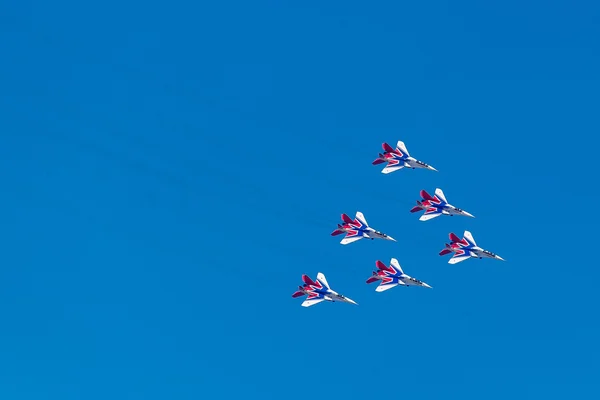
[389, 282]
[394, 263]
[430, 213]
[440, 195]
[459, 256]
[353, 236]
[457, 259]
[321, 278]
[350, 239]
[313, 298]
[383, 286]
[391, 168]
[467, 235]
[361, 218]
[312, 302]
[402, 147]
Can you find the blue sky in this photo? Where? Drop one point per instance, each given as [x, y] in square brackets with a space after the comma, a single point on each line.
[170, 171]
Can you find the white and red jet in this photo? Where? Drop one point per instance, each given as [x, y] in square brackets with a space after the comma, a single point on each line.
[358, 229]
[436, 206]
[466, 248]
[392, 276]
[318, 291]
[398, 158]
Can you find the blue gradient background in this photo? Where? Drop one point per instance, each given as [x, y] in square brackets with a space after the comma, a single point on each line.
[169, 171]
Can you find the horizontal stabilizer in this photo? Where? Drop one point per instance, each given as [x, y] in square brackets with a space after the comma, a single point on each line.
[378, 161]
[298, 294]
[372, 279]
[415, 209]
[445, 251]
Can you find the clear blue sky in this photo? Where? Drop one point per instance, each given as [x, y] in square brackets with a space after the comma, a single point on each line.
[169, 170]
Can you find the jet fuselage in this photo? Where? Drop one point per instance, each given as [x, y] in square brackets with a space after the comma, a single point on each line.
[407, 280]
[444, 207]
[476, 250]
[373, 234]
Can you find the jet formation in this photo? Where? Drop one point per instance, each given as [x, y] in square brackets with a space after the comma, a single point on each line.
[392, 275]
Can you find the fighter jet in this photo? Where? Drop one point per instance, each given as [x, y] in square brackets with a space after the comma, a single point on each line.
[318, 291]
[391, 276]
[436, 206]
[357, 229]
[466, 248]
[398, 158]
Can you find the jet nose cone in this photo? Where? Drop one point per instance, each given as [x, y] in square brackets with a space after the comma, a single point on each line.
[468, 214]
[427, 286]
[391, 238]
[351, 301]
[431, 168]
[500, 258]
